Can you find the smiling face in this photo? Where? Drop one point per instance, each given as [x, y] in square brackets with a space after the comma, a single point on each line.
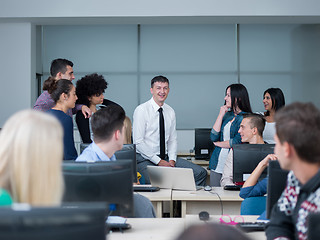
[160, 91]
[245, 130]
[267, 102]
[227, 98]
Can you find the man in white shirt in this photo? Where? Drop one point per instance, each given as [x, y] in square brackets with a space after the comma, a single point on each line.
[147, 131]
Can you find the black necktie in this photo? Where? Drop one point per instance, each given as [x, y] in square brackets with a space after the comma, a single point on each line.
[161, 127]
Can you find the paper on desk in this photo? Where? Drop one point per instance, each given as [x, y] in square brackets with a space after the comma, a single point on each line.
[116, 220]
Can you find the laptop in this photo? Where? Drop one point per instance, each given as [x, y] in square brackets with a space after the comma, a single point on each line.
[172, 178]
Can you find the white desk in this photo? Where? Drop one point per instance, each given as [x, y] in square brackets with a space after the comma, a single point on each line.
[167, 228]
[193, 202]
[194, 219]
[150, 228]
[157, 199]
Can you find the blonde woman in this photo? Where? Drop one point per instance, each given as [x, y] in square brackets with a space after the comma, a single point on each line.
[128, 130]
[31, 151]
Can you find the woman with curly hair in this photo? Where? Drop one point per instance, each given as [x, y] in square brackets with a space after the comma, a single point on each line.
[90, 91]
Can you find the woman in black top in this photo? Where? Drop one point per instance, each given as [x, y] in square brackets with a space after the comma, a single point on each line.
[90, 91]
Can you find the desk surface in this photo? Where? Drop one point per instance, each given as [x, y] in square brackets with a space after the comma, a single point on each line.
[151, 228]
[161, 195]
[202, 195]
[168, 228]
[194, 219]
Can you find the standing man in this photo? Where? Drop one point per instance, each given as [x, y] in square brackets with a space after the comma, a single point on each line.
[155, 136]
[60, 69]
[297, 148]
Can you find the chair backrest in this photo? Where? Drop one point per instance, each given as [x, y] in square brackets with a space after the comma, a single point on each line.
[128, 151]
[277, 181]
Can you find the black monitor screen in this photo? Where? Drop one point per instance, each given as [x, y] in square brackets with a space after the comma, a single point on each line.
[203, 144]
[128, 151]
[109, 182]
[246, 157]
[53, 223]
[277, 180]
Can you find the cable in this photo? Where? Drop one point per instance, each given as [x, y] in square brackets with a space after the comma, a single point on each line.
[221, 205]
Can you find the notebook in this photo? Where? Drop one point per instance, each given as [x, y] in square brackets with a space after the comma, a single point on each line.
[172, 178]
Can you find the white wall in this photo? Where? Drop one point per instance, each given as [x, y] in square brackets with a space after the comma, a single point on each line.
[17, 63]
[150, 8]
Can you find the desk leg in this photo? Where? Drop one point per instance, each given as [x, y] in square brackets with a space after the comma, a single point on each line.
[159, 209]
[171, 209]
[183, 209]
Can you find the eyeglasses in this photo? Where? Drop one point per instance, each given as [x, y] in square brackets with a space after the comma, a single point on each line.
[226, 219]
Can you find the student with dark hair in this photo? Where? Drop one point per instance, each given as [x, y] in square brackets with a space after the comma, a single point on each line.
[212, 231]
[250, 130]
[273, 100]
[60, 69]
[90, 91]
[155, 135]
[108, 137]
[64, 95]
[297, 148]
[107, 128]
[225, 129]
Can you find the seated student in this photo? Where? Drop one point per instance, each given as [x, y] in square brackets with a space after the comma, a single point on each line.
[31, 152]
[64, 95]
[297, 148]
[251, 128]
[128, 140]
[90, 91]
[108, 137]
[252, 187]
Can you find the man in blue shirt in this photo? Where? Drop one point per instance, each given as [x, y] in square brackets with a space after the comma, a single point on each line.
[108, 136]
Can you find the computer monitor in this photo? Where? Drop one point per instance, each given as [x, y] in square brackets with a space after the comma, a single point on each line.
[245, 159]
[277, 180]
[109, 182]
[203, 144]
[128, 151]
[38, 223]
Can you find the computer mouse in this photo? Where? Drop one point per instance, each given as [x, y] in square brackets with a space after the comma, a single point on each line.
[204, 216]
[207, 188]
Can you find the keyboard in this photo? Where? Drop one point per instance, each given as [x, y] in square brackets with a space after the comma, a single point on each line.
[145, 188]
[252, 226]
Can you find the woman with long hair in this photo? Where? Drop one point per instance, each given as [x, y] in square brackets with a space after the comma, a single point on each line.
[64, 95]
[31, 153]
[273, 100]
[224, 132]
